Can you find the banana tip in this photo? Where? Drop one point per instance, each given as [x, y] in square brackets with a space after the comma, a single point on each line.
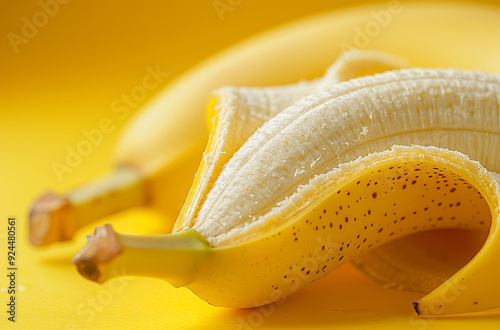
[101, 248]
[415, 306]
[49, 220]
[87, 268]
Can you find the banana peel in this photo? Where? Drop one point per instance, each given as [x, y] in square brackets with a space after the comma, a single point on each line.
[315, 240]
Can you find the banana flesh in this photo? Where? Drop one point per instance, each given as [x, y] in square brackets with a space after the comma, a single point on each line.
[445, 108]
[237, 112]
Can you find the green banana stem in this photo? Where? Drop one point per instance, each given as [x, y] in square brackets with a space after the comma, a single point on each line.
[173, 257]
[56, 218]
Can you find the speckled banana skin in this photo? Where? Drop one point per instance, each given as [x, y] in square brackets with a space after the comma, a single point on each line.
[351, 210]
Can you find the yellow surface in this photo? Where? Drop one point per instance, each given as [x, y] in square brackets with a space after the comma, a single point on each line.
[65, 78]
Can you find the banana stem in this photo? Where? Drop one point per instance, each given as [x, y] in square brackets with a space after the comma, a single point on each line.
[56, 218]
[173, 257]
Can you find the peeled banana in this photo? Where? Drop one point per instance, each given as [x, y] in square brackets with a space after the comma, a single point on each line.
[335, 174]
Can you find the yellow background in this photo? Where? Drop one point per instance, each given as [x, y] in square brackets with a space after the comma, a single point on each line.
[64, 80]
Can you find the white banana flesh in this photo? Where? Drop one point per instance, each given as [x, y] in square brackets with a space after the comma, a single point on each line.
[452, 109]
[237, 112]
